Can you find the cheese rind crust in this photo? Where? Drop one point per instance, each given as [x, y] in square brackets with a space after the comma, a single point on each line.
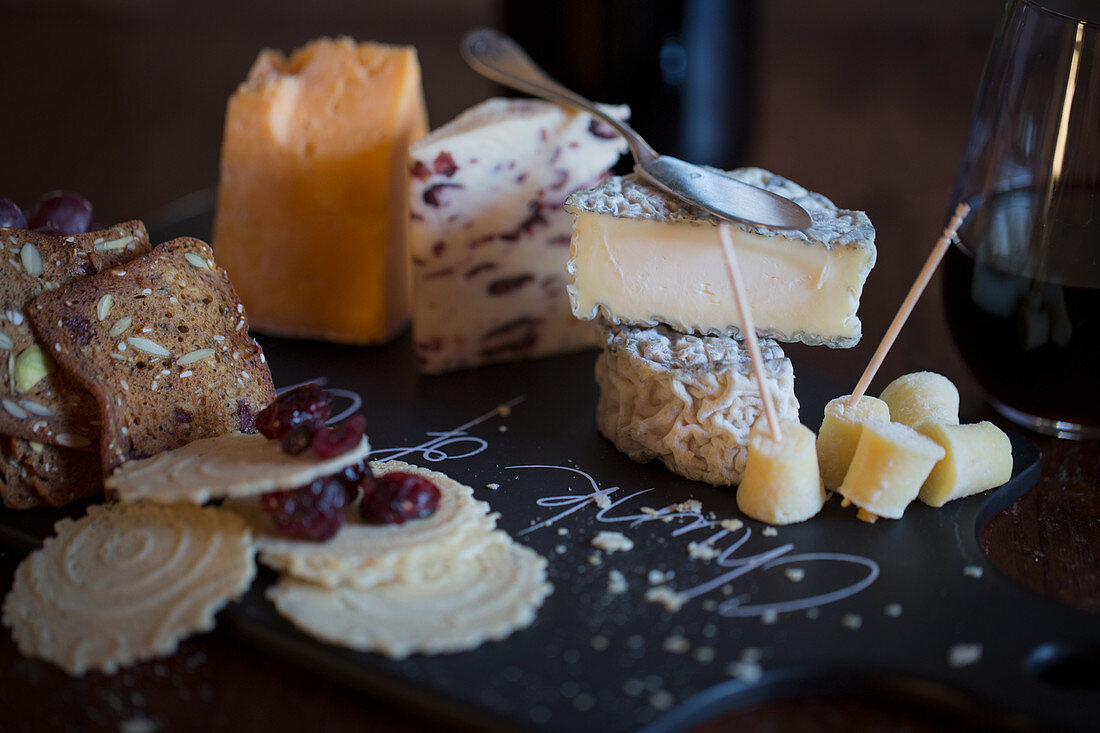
[640, 257]
[688, 400]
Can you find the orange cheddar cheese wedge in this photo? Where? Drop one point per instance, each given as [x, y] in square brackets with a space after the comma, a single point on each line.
[312, 208]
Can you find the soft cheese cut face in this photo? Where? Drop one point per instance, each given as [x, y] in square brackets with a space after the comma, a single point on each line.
[639, 258]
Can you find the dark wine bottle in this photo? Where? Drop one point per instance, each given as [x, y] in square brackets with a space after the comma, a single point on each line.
[685, 67]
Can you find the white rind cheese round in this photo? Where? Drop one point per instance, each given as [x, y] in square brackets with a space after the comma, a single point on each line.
[687, 400]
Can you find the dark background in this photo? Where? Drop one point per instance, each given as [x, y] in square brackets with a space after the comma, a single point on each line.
[865, 101]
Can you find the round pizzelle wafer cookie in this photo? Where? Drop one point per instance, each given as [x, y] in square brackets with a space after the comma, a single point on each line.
[486, 598]
[126, 582]
[363, 555]
[229, 465]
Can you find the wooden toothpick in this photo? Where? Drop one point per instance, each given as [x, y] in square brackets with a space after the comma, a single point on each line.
[748, 329]
[910, 301]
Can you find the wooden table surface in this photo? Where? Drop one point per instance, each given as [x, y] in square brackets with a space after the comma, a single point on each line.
[124, 101]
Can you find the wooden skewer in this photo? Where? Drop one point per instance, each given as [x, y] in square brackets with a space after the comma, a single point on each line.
[910, 301]
[748, 330]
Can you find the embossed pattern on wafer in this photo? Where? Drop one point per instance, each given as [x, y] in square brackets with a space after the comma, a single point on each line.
[125, 583]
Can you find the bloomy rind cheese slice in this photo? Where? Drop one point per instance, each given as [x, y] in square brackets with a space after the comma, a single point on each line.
[486, 598]
[688, 400]
[230, 465]
[640, 257]
[125, 583]
[979, 457]
[782, 484]
[364, 555]
[922, 397]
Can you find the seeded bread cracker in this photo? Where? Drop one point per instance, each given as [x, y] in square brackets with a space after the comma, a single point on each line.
[125, 583]
[230, 465]
[39, 401]
[162, 343]
[58, 475]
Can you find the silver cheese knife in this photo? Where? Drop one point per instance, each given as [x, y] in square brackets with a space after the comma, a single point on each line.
[496, 56]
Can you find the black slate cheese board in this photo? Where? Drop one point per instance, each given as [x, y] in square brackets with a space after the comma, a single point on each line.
[829, 604]
[907, 609]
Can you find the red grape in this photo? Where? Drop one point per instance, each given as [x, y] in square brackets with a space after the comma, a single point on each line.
[11, 215]
[62, 211]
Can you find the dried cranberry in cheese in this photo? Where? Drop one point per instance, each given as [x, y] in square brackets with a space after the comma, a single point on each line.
[489, 238]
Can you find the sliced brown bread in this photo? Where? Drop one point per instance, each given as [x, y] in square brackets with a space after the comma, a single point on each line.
[38, 401]
[58, 475]
[171, 362]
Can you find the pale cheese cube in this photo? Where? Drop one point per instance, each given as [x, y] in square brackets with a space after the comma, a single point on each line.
[921, 397]
[888, 468]
[782, 484]
[978, 457]
[840, 429]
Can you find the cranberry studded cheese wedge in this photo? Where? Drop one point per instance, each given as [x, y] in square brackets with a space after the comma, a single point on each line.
[489, 238]
[312, 209]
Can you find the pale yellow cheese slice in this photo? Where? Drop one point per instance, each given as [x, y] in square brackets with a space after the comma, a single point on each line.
[782, 484]
[978, 457]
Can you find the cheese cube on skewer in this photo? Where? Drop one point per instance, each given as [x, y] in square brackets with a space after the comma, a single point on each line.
[921, 397]
[978, 457]
[889, 467]
[840, 430]
[782, 484]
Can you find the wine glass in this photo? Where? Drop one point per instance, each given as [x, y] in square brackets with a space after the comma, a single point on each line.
[1022, 282]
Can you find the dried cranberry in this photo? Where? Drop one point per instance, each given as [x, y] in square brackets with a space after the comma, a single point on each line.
[314, 512]
[602, 129]
[183, 415]
[398, 497]
[354, 477]
[337, 440]
[508, 284]
[305, 404]
[80, 329]
[246, 421]
[434, 195]
[444, 164]
[298, 439]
